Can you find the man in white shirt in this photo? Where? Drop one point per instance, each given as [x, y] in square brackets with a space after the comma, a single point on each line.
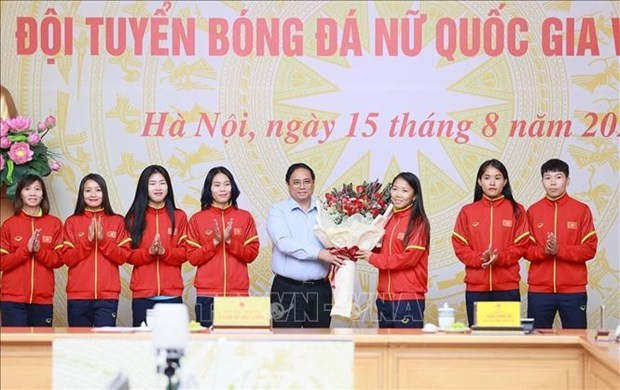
[301, 296]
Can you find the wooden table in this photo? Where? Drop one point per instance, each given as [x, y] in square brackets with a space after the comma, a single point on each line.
[385, 359]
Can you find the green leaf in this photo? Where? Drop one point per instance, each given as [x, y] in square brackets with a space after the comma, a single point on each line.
[18, 137]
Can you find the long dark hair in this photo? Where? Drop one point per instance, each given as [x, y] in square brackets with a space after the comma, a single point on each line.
[417, 214]
[27, 180]
[80, 204]
[206, 198]
[135, 222]
[507, 191]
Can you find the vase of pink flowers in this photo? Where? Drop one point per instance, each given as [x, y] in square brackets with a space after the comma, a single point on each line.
[23, 152]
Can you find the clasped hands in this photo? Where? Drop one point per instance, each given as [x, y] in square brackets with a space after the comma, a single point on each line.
[489, 257]
[156, 247]
[95, 228]
[34, 243]
[227, 232]
[551, 246]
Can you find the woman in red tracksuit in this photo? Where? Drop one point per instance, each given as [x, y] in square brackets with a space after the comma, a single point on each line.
[222, 241]
[402, 259]
[157, 230]
[29, 244]
[490, 237]
[96, 244]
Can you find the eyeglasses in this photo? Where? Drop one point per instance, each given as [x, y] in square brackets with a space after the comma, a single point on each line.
[299, 183]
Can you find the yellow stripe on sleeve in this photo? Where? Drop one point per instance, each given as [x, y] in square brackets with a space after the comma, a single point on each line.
[455, 234]
[526, 234]
[414, 247]
[588, 236]
[69, 243]
[2, 250]
[194, 244]
[125, 241]
[249, 240]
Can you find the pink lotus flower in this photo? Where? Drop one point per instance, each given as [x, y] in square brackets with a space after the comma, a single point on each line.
[5, 142]
[4, 128]
[20, 153]
[55, 166]
[34, 139]
[41, 126]
[19, 123]
[1, 162]
[50, 121]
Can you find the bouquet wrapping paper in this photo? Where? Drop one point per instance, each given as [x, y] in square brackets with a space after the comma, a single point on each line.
[354, 231]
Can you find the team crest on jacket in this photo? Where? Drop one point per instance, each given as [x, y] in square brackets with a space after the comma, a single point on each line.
[18, 238]
[400, 235]
[571, 225]
[81, 234]
[237, 231]
[540, 224]
[208, 232]
[507, 222]
[475, 224]
[111, 234]
[46, 239]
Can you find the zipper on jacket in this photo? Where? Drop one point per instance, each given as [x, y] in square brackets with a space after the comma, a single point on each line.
[555, 234]
[96, 250]
[157, 264]
[31, 264]
[224, 251]
[390, 254]
[491, 245]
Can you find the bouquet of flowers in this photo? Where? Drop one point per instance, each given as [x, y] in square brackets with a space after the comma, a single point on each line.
[352, 218]
[22, 151]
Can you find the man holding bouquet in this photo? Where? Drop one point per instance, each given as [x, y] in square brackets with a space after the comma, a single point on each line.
[301, 294]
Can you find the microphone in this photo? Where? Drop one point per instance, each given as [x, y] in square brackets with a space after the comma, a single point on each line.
[170, 339]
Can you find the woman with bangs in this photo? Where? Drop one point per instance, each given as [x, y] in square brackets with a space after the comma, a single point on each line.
[30, 241]
[157, 230]
[96, 244]
[222, 240]
[490, 237]
[402, 259]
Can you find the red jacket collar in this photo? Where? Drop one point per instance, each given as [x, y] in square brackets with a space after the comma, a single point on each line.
[495, 202]
[226, 210]
[23, 214]
[93, 213]
[559, 200]
[399, 213]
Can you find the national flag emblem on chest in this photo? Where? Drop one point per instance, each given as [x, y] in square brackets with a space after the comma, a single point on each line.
[111, 234]
[571, 225]
[507, 222]
[46, 239]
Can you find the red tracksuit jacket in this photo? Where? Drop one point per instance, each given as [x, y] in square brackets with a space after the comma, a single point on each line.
[223, 269]
[155, 275]
[491, 222]
[403, 269]
[29, 277]
[93, 266]
[571, 223]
